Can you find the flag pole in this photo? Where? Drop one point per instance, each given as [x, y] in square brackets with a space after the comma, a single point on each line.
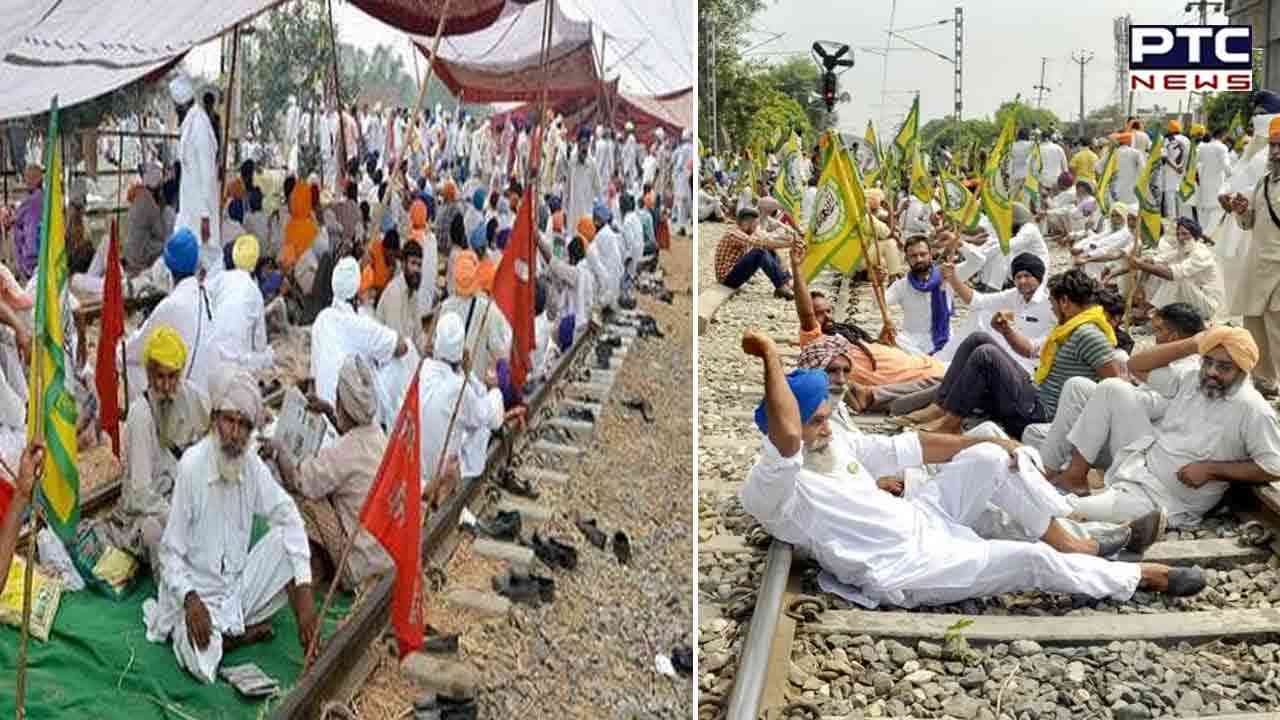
[226, 124]
[435, 48]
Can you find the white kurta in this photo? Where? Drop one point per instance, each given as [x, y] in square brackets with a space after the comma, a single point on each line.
[239, 321]
[1129, 163]
[888, 550]
[582, 186]
[1212, 172]
[198, 197]
[495, 344]
[1019, 154]
[915, 335]
[1100, 244]
[1033, 319]
[633, 238]
[1153, 437]
[1053, 160]
[991, 265]
[205, 549]
[187, 309]
[340, 331]
[438, 388]
[1196, 280]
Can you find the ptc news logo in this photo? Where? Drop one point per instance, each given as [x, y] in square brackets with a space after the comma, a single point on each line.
[1190, 57]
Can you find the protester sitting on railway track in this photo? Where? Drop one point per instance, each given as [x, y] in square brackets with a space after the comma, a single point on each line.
[1182, 271]
[171, 415]
[30, 469]
[186, 309]
[1177, 451]
[474, 306]
[1170, 323]
[1025, 306]
[1095, 251]
[407, 302]
[815, 489]
[927, 301]
[984, 258]
[218, 592]
[330, 487]
[339, 331]
[875, 375]
[982, 376]
[146, 230]
[743, 250]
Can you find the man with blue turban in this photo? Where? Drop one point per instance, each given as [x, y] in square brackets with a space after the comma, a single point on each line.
[187, 309]
[817, 490]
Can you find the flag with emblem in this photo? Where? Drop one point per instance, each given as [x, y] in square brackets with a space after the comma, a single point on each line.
[836, 229]
[51, 410]
[392, 514]
[921, 180]
[1148, 201]
[1105, 190]
[788, 188]
[909, 131]
[877, 155]
[955, 197]
[1190, 176]
[995, 202]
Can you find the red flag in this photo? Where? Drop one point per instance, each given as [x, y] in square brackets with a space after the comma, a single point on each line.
[513, 289]
[392, 513]
[105, 378]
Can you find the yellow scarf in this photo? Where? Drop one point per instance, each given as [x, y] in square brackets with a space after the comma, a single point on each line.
[1060, 334]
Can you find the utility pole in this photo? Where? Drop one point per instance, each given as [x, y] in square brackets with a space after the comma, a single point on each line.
[1082, 59]
[1041, 87]
[959, 69]
[715, 117]
[1203, 5]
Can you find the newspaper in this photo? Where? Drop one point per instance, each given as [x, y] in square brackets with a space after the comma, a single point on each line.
[301, 434]
[46, 593]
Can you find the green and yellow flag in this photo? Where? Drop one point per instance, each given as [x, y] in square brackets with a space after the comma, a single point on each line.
[874, 143]
[1236, 126]
[1109, 166]
[955, 196]
[1031, 185]
[1148, 204]
[788, 188]
[996, 203]
[1190, 176]
[838, 226]
[910, 128]
[51, 410]
[921, 181]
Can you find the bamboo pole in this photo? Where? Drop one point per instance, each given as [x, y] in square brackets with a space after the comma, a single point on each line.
[226, 125]
[435, 49]
[341, 169]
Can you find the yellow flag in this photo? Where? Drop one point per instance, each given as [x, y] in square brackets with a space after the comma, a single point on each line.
[50, 407]
[921, 181]
[1190, 175]
[910, 126]
[836, 230]
[1108, 177]
[788, 188]
[995, 202]
[1032, 184]
[1148, 204]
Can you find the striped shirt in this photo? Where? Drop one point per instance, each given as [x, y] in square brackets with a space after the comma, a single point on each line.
[1084, 353]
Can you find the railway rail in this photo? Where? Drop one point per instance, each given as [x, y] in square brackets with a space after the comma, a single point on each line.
[774, 646]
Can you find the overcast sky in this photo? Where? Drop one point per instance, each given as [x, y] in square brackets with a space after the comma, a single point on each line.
[1003, 45]
[663, 57]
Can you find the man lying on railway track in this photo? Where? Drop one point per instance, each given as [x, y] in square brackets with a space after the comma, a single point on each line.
[815, 489]
[216, 592]
[171, 415]
[1177, 453]
[331, 486]
[874, 374]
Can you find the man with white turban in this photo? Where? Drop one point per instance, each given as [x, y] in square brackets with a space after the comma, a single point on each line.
[239, 314]
[339, 331]
[1094, 251]
[1256, 296]
[170, 417]
[215, 592]
[442, 378]
[1179, 449]
[682, 170]
[630, 156]
[186, 309]
[198, 196]
[331, 486]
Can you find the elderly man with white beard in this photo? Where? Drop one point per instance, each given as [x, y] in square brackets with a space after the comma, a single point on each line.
[816, 491]
[1176, 452]
[171, 416]
[216, 593]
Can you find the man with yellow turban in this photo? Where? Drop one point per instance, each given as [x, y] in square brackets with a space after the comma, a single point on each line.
[239, 314]
[1176, 450]
[171, 415]
[1177, 150]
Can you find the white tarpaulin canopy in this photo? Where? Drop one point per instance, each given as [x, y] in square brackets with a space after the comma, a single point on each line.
[80, 49]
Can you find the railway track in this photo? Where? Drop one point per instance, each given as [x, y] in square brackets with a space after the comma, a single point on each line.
[772, 645]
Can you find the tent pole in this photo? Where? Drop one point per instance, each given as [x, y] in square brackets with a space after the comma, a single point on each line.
[341, 168]
[226, 124]
[435, 49]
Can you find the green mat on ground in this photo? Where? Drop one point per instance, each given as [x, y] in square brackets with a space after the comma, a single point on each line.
[98, 664]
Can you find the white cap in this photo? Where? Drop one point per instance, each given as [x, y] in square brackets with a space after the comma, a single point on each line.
[180, 90]
[450, 338]
[346, 278]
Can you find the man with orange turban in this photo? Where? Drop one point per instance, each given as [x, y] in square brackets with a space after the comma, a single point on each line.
[1177, 450]
[1129, 162]
[302, 228]
[471, 303]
